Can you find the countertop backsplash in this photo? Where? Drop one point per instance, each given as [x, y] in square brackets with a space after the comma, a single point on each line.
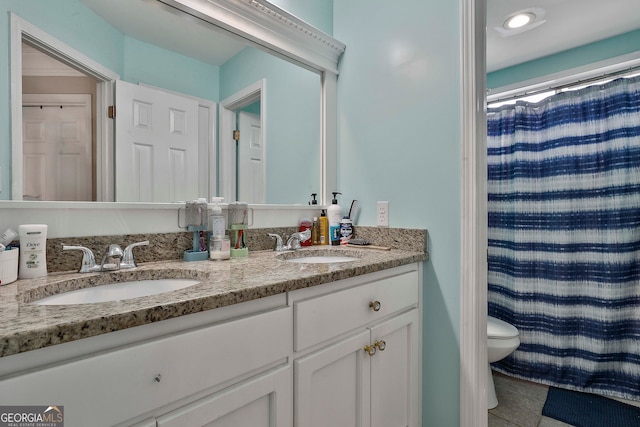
[171, 246]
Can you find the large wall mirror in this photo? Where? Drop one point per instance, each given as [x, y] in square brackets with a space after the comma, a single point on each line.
[200, 68]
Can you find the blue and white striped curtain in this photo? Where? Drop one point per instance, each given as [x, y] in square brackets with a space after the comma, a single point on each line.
[564, 236]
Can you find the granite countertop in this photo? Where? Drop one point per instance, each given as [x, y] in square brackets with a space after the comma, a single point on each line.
[25, 326]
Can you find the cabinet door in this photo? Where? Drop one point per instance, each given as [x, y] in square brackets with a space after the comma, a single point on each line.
[394, 372]
[332, 385]
[264, 401]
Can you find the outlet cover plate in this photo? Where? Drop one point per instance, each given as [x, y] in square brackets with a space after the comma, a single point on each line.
[382, 214]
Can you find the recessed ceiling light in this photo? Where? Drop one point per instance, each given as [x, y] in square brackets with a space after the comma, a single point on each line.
[519, 20]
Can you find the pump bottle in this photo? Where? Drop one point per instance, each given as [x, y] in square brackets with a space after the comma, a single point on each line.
[217, 224]
[334, 212]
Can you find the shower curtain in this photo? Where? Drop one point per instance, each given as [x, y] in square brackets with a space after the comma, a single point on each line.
[564, 236]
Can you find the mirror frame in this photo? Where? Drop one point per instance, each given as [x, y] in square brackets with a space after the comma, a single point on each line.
[257, 21]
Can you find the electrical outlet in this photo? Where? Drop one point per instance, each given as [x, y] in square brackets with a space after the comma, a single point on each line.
[383, 214]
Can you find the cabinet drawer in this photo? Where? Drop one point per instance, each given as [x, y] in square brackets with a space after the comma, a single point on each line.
[140, 378]
[321, 318]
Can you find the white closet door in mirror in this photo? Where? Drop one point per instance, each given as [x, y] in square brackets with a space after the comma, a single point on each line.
[250, 159]
[156, 145]
[56, 131]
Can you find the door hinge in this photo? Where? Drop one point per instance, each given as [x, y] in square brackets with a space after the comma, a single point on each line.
[111, 111]
[236, 135]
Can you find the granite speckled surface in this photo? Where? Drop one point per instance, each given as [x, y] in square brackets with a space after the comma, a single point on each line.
[171, 246]
[25, 326]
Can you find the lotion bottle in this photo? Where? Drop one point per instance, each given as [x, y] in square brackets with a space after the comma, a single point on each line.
[334, 212]
[33, 251]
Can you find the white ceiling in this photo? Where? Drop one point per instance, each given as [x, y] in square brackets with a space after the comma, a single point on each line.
[156, 23]
[569, 24]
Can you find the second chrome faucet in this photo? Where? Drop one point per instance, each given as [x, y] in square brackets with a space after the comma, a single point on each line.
[293, 242]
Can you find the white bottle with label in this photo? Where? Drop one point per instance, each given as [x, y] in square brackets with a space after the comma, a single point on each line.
[217, 223]
[334, 213]
[33, 251]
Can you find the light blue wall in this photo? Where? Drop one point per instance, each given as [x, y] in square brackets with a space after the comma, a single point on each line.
[77, 26]
[593, 52]
[293, 121]
[399, 140]
[146, 63]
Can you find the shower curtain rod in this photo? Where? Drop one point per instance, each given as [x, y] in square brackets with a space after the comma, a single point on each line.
[627, 64]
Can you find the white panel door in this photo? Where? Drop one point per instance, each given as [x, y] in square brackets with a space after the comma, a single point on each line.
[156, 145]
[56, 135]
[250, 159]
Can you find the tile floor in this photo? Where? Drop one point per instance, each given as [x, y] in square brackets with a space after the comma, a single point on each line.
[520, 404]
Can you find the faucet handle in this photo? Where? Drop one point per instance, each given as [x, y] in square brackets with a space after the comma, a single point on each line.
[127, 259]
[88, 264]
[278, 241]
[305, 235]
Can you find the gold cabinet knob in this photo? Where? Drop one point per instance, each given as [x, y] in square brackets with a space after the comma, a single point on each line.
[381, 345]
[375, 305]
[370, 349]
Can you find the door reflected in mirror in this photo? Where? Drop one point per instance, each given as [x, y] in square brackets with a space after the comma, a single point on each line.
[280, 163]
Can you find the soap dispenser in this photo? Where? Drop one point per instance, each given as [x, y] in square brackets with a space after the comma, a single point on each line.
[217, 223]
[334, 213]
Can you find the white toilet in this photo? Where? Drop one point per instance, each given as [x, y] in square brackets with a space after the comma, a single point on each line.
[502, 339]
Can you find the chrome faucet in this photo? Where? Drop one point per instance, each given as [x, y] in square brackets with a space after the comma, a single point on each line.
[293, 242]
[114, 258]
[127, 257]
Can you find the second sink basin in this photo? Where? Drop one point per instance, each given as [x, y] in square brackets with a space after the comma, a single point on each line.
[117, 291]
[321, 259]
[318, 256]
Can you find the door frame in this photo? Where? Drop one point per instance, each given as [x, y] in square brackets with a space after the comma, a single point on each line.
[473, 221]
[105, 167]
[226, 144]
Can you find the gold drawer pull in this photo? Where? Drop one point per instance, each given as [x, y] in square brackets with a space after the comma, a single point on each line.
[370, 349]
[380, 344]
[375, 305]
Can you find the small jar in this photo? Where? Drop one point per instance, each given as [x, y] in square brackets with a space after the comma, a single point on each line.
[219, 248]
[346, 230]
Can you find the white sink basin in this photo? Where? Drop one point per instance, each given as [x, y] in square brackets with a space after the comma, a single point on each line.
[321, 259]
[117, 291]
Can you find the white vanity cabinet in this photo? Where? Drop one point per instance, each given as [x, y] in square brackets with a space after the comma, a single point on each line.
[357, 360]
[234, 370]
[345, 353]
